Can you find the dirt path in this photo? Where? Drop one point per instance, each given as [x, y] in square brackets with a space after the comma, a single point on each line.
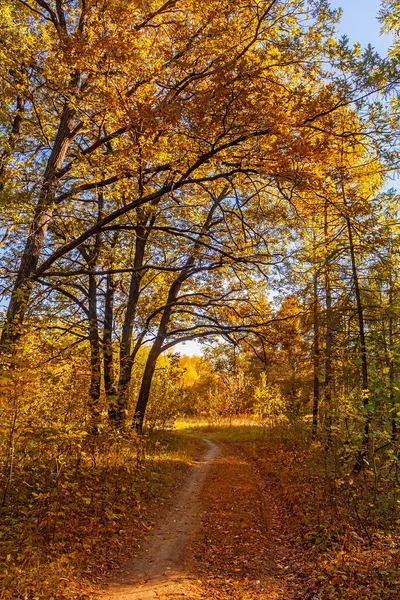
[221, 540]
[160, 570]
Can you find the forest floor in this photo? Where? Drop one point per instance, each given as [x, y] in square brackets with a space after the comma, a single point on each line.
[219, 538]
[235, 512]
[262, 515]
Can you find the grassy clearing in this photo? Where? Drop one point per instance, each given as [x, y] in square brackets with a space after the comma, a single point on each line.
[342, 528]
[70, 517]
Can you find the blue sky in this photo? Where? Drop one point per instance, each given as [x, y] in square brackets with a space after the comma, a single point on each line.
[360, 23]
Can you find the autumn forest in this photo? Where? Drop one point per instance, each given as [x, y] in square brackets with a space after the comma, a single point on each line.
[219, 172]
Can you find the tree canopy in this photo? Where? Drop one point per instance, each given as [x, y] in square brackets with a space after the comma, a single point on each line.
[217, 171]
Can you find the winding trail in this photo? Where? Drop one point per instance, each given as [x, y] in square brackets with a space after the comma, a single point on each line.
[221, 539]
[159, 572]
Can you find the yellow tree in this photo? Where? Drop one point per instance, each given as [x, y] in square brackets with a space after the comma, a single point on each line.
[142, 99]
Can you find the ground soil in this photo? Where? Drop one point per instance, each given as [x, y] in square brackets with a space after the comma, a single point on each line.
[220, 538]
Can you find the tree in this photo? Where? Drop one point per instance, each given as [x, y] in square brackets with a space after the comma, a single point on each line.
[144, 101]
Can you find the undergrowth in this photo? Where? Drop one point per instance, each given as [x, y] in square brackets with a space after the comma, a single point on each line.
[342, 528]
[78, 506]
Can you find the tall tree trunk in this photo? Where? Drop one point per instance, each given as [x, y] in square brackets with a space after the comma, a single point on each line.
[110, 388]
[95, 362]
[125, 358]
[22, 289]
[316, 357]
[91, 257]
[156, 348]
[145, 386]
[392, 402]
[391, 359]
[173, 293]
[328, 335]
[363, 346]
[127, 355]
